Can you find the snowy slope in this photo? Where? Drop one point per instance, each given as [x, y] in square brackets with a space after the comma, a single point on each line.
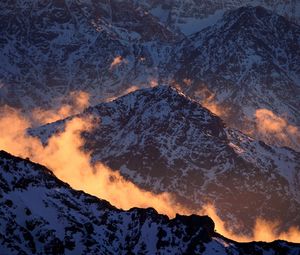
[40, 214]
[48, 49]
[164, 141]
[190, 16]
[249, 60]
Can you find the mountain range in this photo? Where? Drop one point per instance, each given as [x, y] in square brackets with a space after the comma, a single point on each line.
[199, 99]
[162, 140]
[246, 59]
[190, 16]
[61, 220]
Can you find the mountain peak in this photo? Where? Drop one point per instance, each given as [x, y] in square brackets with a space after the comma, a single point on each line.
[159, 90]
[158, 93]
[254, 17]
[252, 10]
[162, 104]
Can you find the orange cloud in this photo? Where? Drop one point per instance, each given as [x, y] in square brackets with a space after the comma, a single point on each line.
[266, 230]
[187, 82]
[273, 127]
[97, 179]
[101, 181]
[117, 61]
[208, 100]
[78, 101]
[131, 89]
[153, 83]
[263, 230]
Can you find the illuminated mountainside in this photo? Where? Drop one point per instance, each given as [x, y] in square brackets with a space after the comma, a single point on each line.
[40, 214]
[164, 141]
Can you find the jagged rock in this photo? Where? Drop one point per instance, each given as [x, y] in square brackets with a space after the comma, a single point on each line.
[56, 228]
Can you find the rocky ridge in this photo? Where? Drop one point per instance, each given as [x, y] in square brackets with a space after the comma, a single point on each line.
[65, 221]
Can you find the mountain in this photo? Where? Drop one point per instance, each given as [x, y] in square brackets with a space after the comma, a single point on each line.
[162, 140]
[249, 60]
[107, 48]
[49, 49]
[42, 215]
[190, 16]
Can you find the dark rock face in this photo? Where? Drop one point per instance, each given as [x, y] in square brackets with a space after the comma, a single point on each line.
[48, 217]
[194, 223]
[163, 141]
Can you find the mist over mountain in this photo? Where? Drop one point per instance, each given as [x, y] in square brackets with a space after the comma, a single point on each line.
[194, 101]
[162, 140]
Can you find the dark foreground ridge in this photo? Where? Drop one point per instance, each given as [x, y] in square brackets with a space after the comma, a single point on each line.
[42, 215]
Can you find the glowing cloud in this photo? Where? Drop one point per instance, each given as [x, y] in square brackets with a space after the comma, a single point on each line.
[117, 61]
[131, 89]
[97, 179]
[153, 83]
[263, 230]
[187, 82]
[101, 181]
[268, 124]
[208, 100]
[77, 102]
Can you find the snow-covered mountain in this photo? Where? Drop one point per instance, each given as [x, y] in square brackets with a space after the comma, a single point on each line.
[239, 59]
[249, 60]
[190, 16]
[48, 49]
[40, 214]
[164, 141]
